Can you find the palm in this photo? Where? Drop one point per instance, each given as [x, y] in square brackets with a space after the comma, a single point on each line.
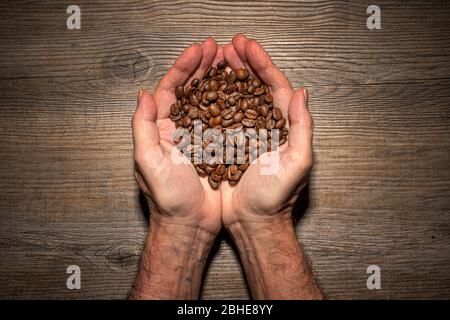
[256, 192]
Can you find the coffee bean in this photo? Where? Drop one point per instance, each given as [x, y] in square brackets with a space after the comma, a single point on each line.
[258, 91]
[242, 74]
[193, 113]
[214, 110]
[186, 121]
[248, 122]
[256, 83]
[244, 105]
[212, 183]
[212, 96]
[263, 110]
[222, 64]
[238, 116]
[217, 120]
[200, 171]
[212, 72]
[193, 100]
[215, 176]
[179, 92]
[276, 113]
[231, 101]
[214, 85]
[270, 124]
[174, 110]
[251, 114]
[195, 82]
[280, 123]
[232, 77]
[227, 114]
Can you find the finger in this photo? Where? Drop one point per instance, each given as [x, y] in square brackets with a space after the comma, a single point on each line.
[239, 42]
[219, 55]
[299, 151]
[263, 66]
[209, 47]
[183, 68]
[232, 57]
[186, 64]
[145, 131]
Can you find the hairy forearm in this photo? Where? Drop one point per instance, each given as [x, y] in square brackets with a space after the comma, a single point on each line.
[273, 260]
[172, 262]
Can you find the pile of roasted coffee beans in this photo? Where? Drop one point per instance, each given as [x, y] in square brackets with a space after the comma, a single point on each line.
[227, 100]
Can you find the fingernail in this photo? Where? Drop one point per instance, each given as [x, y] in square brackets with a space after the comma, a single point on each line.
[305, 94]
[140, 93]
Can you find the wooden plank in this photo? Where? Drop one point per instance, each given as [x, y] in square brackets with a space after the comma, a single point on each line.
[379, 191]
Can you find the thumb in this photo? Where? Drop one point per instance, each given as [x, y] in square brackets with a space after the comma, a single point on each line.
[145, 131]
[299, 151]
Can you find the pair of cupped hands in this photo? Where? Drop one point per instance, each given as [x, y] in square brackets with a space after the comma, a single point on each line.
[175, 193]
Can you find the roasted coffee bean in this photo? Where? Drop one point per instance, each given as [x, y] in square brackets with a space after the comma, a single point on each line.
[263, 110]
[217, 120]
[195, 82]
[212, 72]
[251, 114]
[256, 83]
[270, 124]
[238, 116]
[248, 122]
[258, 91]
[244, 105]
[174, 110]
[227, 114]
[242, 74]
[179, 92]
[233, 169]
[193, 100]
[232, 77]
[277, 114]
[215, 176]
[222, 64]
[186, 121]
[231, 101]
[214, 110]
[212, 183]
[280, 123]
[251, 89]
[212, 96]
[200, 171]
[214, 85]
[260, 123]
[227, 122]
[193, 113]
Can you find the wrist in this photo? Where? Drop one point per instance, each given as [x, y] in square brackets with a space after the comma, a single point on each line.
[260, 225]
[173, 260]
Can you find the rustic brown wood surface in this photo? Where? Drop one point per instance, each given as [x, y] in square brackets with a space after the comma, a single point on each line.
[379, 191]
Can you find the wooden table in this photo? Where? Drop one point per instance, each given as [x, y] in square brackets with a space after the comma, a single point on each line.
[379, 191]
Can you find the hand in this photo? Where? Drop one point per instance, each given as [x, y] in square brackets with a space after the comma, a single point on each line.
[185, 212]
[174, 192]
[261, 198]
[257, 212]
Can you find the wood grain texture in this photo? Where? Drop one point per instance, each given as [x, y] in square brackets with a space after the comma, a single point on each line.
[379, 191]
